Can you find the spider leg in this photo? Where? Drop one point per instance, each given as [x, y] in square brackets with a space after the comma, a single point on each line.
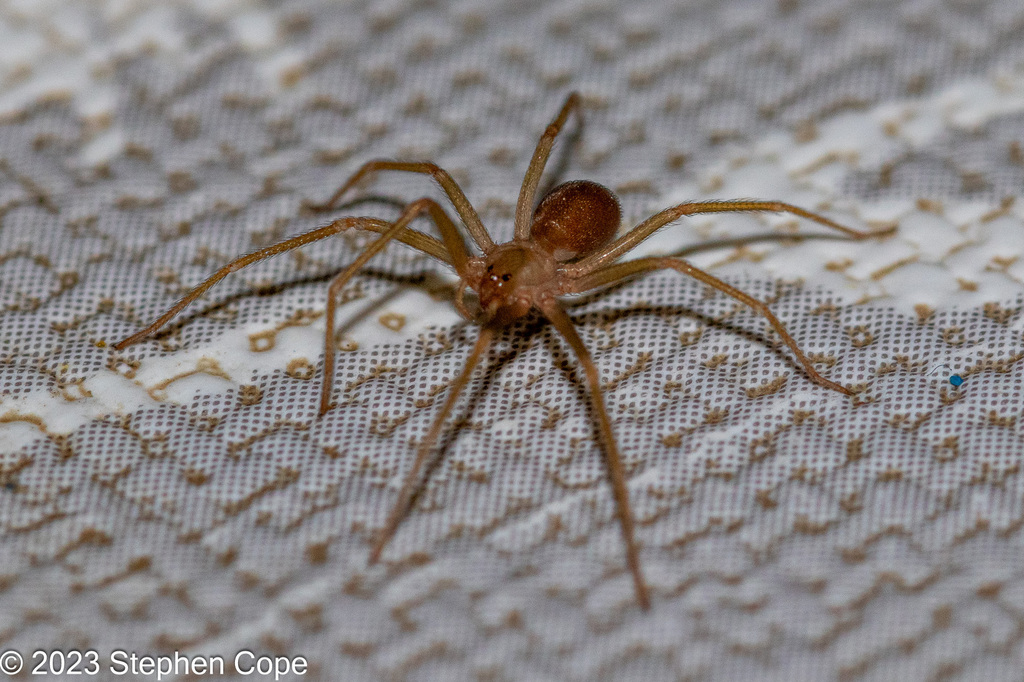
[524, 207]
[421, 242]
[648, 227]
[458, 198]
[460, 300]
[457, 258]
[412, 478]
[618, 272]
[554, 313]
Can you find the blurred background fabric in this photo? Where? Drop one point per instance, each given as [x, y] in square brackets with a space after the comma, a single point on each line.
[183, 495]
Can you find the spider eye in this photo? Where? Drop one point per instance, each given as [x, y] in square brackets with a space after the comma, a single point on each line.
[506, 277]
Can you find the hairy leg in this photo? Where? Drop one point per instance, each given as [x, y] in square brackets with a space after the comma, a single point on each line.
[527, 193]
[458, 198]
[458, 260]
[659, 220]
[619, 272]
[554, 313]
[412, 478]
[422, 242]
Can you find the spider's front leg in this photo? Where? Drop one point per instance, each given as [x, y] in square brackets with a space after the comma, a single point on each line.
[412, 478]
[528, 192]
[457, 257]
[267, 252]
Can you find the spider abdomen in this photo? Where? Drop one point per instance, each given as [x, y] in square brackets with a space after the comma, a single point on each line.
[575, 218]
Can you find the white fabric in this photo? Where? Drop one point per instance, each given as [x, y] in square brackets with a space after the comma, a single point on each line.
[182, 495]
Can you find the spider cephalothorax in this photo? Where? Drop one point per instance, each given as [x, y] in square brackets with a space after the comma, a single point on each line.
[563, 246]
[573, 219]
[513, 279]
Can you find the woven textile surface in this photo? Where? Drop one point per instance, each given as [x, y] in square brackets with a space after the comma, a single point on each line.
[183, 495]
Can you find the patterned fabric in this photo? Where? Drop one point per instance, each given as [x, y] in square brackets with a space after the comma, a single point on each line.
[182, 495]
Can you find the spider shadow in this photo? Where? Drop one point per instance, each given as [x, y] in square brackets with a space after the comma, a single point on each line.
[707, 321]
[353, 318]
[403, 281]
[734, 242]
[309, 208]
[491, 365]
[523, 332]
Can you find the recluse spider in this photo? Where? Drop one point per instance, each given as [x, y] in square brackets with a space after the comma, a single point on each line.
[564, 246]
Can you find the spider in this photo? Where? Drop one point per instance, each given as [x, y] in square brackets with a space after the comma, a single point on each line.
[566, 245]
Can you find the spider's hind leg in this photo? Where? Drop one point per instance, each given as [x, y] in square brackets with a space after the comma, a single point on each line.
[616, 472]
[618, 272]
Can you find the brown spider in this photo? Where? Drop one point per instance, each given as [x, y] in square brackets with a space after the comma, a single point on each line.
[564, 246]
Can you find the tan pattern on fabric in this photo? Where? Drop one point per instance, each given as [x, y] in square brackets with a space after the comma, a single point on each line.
[182, 495]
